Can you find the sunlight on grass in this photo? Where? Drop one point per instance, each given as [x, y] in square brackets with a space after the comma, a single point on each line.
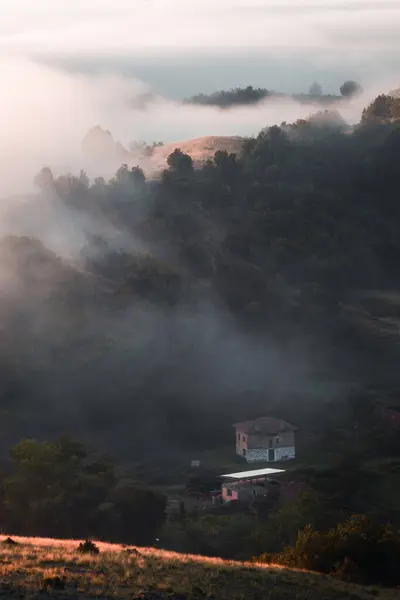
[33, 564]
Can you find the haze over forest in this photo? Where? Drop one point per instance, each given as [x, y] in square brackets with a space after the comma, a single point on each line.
[69, 66]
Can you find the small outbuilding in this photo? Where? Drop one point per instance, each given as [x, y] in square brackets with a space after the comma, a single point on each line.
[247, 486]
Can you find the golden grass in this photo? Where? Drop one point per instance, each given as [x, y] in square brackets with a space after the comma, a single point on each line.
[200, 149]
[117, 574]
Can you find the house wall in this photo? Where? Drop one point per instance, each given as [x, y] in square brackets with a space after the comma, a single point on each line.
[287, 453]
[257, 455]
[261, 440]
[241, 442]
[391, 416]
[254, 447]
[247, 493]
[229, 487]
[262, 454]
[244, 492]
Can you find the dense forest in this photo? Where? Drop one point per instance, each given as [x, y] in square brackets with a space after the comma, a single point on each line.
[262, 282]
[256, 273]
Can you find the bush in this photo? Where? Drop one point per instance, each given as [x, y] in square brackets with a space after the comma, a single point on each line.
[54, 583]
[358, 550]
[88, 547]
[9, 542]
[235, 536]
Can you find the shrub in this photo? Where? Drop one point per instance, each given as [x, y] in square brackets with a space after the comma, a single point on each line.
[9, 542]
[55, 583]
[88, 547]
[357, 550]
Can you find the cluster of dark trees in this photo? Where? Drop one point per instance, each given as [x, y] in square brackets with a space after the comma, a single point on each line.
[59, 489]
[358, 550]
[142, 148]
[280, 238]
[250, 95]
[384, 109]
[227, 98]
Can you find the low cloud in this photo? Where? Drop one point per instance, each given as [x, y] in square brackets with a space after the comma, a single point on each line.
[47, 111]
[154, 25]
[100, 53]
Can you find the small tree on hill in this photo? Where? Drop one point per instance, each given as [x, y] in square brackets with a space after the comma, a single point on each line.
[315, 89]
[350, 88]
[179, 162]
[130, 176]
[44, 180]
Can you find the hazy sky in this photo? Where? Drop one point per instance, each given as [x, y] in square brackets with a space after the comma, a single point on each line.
[180, 46]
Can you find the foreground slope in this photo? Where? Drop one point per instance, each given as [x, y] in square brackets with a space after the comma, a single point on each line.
[57, 569]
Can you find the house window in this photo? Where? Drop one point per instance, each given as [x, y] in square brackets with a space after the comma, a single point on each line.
[244, 438]
[238, 436]
[270, 443]
[278, 440]
[229, 492]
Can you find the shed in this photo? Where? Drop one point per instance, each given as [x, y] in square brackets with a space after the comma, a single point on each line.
[247, 485]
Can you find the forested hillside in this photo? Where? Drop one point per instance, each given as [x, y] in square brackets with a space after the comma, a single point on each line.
[253, 273]
[144, 316]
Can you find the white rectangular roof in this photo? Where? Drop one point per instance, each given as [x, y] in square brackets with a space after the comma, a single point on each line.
[256, 473]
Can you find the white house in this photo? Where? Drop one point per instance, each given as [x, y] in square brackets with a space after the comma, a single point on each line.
[265, 439]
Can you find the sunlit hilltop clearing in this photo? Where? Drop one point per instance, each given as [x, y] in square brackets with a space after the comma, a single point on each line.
[200, 149]
[99, 145]
[31, 565]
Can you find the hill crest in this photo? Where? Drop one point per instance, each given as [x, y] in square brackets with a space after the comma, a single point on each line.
[99, 145]
[33, 564]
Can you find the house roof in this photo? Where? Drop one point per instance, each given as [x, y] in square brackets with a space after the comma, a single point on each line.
[268, 425]
[251, 474]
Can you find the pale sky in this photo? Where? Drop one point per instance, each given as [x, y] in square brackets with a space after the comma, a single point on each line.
[275, 43]
[95, 25]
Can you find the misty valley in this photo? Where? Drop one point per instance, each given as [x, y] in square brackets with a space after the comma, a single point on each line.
[146, 313]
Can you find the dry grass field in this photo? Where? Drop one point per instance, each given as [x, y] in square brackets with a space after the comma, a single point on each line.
[45, 568]
[200, 149]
